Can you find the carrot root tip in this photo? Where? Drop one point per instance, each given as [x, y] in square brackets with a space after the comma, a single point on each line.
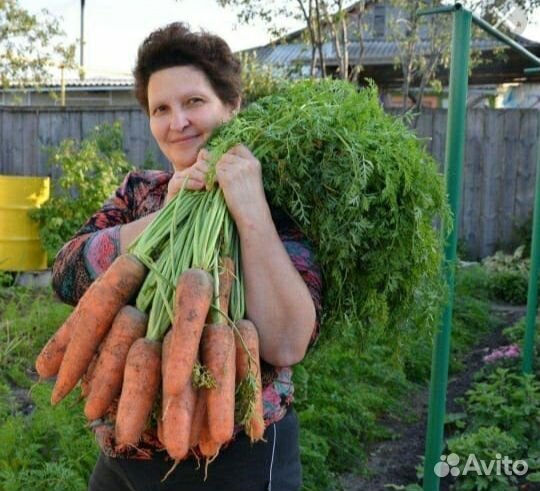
[171, 470]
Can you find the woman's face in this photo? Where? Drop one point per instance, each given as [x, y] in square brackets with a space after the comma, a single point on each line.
[183, 109]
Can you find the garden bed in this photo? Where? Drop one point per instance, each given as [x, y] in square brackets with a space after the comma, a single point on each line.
[395, 461]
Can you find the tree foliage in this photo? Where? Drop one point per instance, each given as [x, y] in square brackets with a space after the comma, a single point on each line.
[30, 45]
[324, 21]
[361, 187]
[90, 173]
[424, 43]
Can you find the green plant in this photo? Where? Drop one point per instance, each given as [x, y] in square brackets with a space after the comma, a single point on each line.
[6, 278]
[339, 393]
[508, 276]
[523, 234]
[150, 161]
[509, 286]
[362, 188]
[484, 444]
[472, 282]
[508, 400]
[22, 336]
[90, 172]
[48, 450]
[500, 262]
[257, 80]
[43, 448]
[516, 332]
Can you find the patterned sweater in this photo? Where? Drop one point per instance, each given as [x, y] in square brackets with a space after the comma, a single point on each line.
[96, 245]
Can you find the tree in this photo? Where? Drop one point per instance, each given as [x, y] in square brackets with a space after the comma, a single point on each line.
[498, 12]
[424, 43]
[344, 26]
[324, 21]
[30, 45]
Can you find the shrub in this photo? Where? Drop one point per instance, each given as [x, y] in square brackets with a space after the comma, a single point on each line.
[90, 172]
[509, 401]
[516, 332]
[484, 444]
[508, 276]
[509, 286]
[257, 80]
[43, 448]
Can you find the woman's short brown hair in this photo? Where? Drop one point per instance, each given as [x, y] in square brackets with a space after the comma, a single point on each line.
[175, 45]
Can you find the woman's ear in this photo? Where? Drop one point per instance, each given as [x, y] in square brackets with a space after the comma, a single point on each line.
[237, 106]
[233, 110]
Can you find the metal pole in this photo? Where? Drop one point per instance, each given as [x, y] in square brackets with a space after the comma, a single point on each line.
[62, 87]
[81, 70]
[530, 71]
[455, 145]
[438, 10]
[532, 295]
[504, 38]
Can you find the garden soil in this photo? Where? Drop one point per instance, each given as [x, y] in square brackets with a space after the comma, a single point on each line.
[394, 461]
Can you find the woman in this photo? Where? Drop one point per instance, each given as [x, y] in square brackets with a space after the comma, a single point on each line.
[188, 84]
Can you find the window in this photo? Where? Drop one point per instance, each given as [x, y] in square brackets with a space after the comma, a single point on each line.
[379, 21]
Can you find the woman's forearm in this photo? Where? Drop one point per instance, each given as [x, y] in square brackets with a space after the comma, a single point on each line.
[130, 231]
[277, 299]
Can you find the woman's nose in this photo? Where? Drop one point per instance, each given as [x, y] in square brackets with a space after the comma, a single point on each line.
[179, 120]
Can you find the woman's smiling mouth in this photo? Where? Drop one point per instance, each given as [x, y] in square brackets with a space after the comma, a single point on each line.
[184, 139]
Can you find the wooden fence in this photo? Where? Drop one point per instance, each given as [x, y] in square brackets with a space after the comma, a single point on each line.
[499, 171]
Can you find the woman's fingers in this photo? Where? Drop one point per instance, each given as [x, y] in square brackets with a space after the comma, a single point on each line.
[181, 180]
[192, 178]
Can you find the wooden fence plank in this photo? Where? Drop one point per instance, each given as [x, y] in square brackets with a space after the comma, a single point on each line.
[474, 159]
[498, 172]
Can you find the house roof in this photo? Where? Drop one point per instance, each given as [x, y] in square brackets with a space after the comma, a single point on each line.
[375, 52]
[76, 84]
[96, 82]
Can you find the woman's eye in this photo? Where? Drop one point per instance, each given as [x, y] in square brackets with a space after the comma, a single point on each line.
[159, 109]
[195, 100]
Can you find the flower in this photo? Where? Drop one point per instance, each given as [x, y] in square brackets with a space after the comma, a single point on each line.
[509, 351]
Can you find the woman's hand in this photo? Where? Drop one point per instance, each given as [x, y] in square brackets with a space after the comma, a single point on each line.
[240, 177]
[195, 175]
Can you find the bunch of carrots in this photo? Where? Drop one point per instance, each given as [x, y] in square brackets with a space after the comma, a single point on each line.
[182, 351]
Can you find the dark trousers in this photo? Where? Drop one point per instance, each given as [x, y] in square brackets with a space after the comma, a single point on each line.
[273, 465]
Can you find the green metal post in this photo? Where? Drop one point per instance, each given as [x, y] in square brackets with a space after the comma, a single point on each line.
[531, 71]
[437, 10]
[532, 295]
[455, 145]
[505, 39]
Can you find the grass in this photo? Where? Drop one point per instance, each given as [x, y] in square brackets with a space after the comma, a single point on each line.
[342, 392]
[43, 448]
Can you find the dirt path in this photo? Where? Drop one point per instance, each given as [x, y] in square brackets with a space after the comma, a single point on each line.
[394, 461]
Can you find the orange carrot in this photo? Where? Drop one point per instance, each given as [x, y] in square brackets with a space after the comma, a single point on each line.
[159, 432]
[194, 291]
[226, 278]
[177, 421]
[207, 445]
[128, 325]
[177, 412]
[218, 355]
[49, 360]
[86, 380]
[93, 317]
[248, 371]
[165, 350]
[199, 415]
[140, 386]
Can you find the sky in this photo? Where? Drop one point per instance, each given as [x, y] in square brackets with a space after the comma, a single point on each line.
[115, 28]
